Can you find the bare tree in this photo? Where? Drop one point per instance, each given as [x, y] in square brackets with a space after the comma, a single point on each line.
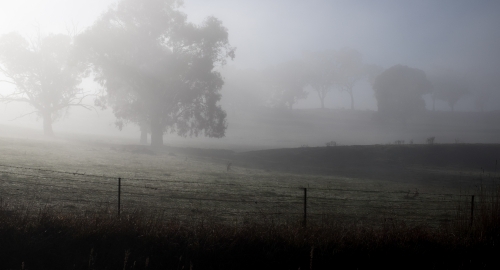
[322, 72]
[448, 85]
[351, 70]
[44, 74]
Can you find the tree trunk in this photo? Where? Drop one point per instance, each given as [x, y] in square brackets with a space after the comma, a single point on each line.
[321, 98]
[47, 124]
[156, 132]
[352, 100]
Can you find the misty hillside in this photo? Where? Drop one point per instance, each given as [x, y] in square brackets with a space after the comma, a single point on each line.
[432, 165]
[466, 157]
[271, 128]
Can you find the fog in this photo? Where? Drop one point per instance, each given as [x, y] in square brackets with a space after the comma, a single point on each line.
[205, 134]
[462, 36]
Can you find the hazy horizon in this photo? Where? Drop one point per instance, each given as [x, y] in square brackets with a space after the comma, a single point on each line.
[459, 35]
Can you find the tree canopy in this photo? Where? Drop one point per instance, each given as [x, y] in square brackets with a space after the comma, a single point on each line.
[157, 69]
[44, 74]
[399, 91]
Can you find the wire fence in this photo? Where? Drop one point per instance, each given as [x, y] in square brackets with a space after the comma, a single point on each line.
[226, 201]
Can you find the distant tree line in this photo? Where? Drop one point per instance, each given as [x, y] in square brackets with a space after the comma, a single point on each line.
[321, 72]
[398, 89]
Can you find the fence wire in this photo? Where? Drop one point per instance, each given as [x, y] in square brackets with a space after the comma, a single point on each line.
[226, 201]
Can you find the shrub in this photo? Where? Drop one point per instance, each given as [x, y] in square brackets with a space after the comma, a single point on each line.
[332, 143]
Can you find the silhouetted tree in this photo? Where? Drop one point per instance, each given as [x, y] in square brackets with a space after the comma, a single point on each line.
[288, 83]
[159, 70]
[449, 86]
[399, 91]
[43, 73]
[322, 72]
[351, 70]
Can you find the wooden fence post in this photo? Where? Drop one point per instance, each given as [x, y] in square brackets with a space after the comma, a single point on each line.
[472, 210]
[119, 193]
[305, 207]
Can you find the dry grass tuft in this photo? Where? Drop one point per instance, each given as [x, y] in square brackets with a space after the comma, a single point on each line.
[47, 239]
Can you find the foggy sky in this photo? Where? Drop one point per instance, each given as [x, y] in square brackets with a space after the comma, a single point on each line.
[463, 35]
[416, 33]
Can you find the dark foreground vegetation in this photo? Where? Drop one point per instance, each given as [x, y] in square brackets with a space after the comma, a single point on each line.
[47, 239]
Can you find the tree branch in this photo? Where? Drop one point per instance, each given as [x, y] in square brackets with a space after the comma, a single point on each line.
[8, 82]
[88, 107]
[21, 116]
[8, 99]
[76, 102]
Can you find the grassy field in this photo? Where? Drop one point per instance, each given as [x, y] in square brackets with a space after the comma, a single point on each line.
[182, 208]
[417, 184]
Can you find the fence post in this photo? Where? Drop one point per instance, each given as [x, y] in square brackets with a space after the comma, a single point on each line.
[472, 210]
[305, 207]
[119, 193]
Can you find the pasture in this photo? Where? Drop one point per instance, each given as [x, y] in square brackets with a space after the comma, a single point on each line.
[183, 208]
[376, 185]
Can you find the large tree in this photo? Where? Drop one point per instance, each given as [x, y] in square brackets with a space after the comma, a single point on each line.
[351, 70]
[43, 73]
[322, 72]
[399, 91]
[158, 70]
